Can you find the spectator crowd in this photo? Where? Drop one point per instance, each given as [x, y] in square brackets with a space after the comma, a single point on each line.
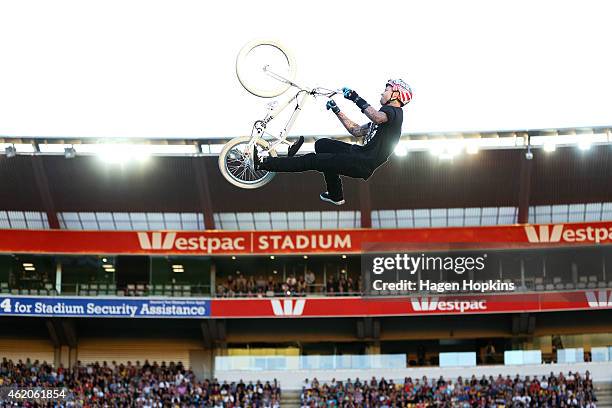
[127, 385]
[243, 286]
[571, 390]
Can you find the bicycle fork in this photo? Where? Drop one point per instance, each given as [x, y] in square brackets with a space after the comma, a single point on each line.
[282, 137]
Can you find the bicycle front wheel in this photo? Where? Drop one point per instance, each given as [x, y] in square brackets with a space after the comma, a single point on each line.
[257, 61]
[235, 163]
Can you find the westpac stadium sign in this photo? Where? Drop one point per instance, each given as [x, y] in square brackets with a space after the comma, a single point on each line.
[217, 242]
[275, 242]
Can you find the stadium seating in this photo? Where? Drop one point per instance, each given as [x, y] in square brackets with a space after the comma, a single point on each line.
[146, 385]
[571, 389]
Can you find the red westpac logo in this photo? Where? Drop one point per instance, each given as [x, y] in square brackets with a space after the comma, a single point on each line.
[157, 240]
[426, 304]
[288, 307]
[563, 233]
[209, 244]
[599, 299]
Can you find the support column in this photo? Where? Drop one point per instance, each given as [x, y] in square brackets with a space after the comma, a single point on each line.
[213, 277]
[365, 204]
[58, 277]
[524, 190]
[373, 348]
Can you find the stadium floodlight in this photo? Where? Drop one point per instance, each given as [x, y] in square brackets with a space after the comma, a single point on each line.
[446, 149]
[27, 264]
[400, 149]
[30, 268]
[110, 270]
[436, 147]
[69, 153]
[272, 257]
[116, 153]
[550, 147]
[343, 256]
[10, 151]
[585, 145]
[52, 148]
[305, 256]
[233, 257]
[472, 148]
[107, 266]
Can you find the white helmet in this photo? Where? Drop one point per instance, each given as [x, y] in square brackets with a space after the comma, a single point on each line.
[401, 91]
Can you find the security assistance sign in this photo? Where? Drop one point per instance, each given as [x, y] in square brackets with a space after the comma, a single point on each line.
[100, 307]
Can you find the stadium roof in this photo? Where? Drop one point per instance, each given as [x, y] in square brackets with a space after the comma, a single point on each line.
[191, 183]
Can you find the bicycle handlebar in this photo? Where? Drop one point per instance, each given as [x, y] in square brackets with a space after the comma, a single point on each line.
[315, 91]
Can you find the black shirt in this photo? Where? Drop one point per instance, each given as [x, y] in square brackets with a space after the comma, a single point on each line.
[381, 139]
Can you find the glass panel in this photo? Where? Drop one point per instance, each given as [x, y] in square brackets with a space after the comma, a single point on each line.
[280, 225]
[472, 221]
[87, 216]
[188, 225]
[385, 223]
[278, 216]
[104, 225]
[154, 217]
[329, 215]
[489, 220]
[177, 216]
[261, 216]
[387, 214]
[347, 215]
[120, 216]
[263, 225]
[421, 222]
[312, 224]
[138, 217]
[293, 225]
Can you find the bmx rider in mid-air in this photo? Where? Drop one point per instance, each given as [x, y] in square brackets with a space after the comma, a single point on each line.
[335, 158]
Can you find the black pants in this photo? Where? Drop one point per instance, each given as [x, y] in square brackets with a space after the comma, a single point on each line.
[333, 158]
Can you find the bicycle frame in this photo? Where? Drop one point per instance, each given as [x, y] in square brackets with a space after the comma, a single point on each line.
[259, 127]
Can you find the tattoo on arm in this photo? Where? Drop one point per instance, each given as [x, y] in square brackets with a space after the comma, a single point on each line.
[362, 130]
[375, 116]
[353, 128]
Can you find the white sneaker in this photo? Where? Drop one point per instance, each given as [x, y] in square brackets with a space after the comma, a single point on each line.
[326, 197]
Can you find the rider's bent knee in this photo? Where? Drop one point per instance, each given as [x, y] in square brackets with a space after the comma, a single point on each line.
[320, 145]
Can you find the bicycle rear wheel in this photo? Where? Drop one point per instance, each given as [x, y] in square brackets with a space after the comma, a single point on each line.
[253, 60]
[235, 163]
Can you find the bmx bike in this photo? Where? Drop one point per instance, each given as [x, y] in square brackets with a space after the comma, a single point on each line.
[265, 69]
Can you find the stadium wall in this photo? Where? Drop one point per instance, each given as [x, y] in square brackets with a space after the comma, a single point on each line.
[294, 379]
[23, 348]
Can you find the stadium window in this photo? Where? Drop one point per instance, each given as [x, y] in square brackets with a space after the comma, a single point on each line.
[443, 217]
[293, 220]
[23, 220]
[593, 212]
[129, 221]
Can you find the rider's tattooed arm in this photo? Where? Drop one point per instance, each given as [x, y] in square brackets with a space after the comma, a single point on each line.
[353, 128]
[362, 130]
[375, 116]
